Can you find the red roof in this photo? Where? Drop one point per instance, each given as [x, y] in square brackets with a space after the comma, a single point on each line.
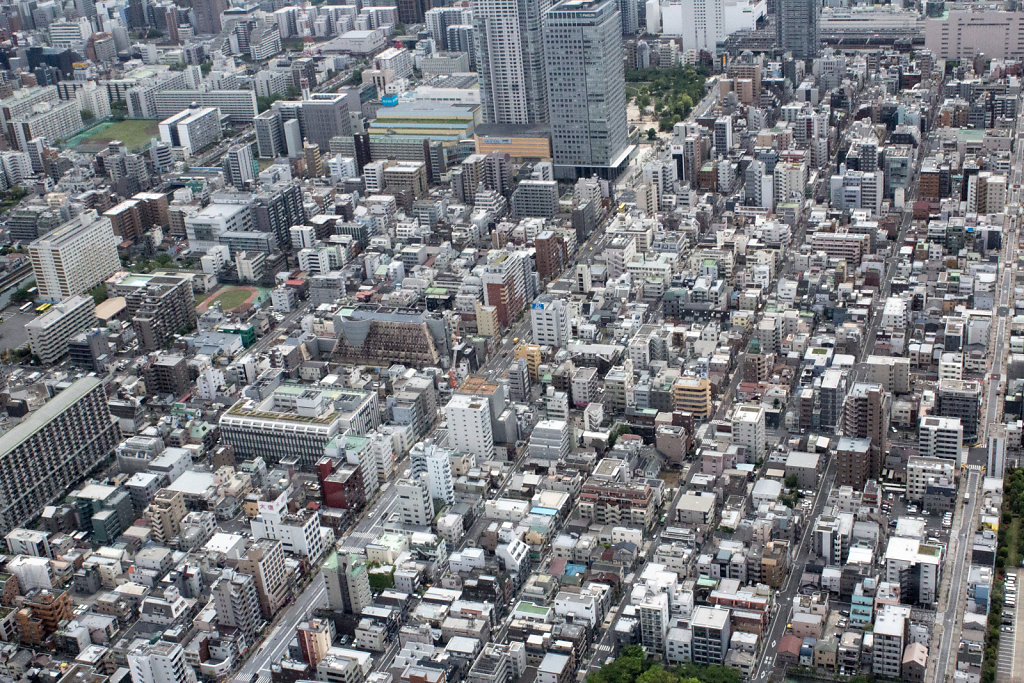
[790, 644]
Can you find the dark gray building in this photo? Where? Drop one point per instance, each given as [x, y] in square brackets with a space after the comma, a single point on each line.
[796, 27]
[586, 88]
[323, 116]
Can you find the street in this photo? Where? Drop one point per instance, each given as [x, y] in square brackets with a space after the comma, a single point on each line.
[784, 597]
[275, 645]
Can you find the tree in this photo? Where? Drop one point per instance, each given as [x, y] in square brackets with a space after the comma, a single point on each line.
[651, 134]
[616, 433]
[21, 296]
[206, 67]
[119, 110]
[87, 115]
[791, 481]
[380, 581]
[633, 666]
[263, 103]
[99, 293]
[292, 92]
[178, 66]
[643, 100]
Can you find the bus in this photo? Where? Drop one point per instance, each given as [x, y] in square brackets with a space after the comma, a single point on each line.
[43, 308]
[25, 307]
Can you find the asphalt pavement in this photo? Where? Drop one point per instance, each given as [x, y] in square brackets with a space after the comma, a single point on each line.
[275, 645]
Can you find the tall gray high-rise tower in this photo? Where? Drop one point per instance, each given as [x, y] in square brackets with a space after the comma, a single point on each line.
[586, 87]
[510, 60]
[796, 27]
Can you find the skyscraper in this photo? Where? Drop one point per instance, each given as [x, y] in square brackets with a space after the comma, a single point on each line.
[586, 87]
[510, 60]
[796, 27]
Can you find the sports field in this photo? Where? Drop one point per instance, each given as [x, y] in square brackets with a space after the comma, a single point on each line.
[231, 298]
[134, 133]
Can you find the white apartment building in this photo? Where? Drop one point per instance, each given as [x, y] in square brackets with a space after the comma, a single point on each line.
[748, 431]
[415, 507]
[160, 662]
[549, 441]
[299, 533]
[75, 257]
[951, 365]
[469, 425]
[941, 437]
[436, 463]
[193, 129]
[49, 122]
[894, 314]
[922, 584]
[653, 609]
[790, 181]
[49, 333]
[551, 320]
[205, 228]
[921, 471]
[92, 97]
[892, 372]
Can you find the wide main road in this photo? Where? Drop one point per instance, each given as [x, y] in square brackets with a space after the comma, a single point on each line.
[958, 551]
[275, 645]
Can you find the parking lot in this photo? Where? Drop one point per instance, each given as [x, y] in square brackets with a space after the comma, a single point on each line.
[1008, 645]
[12, 329]
[932, 520]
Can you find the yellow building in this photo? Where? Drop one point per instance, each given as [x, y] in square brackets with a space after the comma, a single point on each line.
[487, 320]
[531, 352]
[693, 395]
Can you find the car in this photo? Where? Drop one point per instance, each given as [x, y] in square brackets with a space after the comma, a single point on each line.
[1007, 628]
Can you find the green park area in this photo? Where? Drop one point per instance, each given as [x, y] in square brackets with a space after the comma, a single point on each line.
[672, 92]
